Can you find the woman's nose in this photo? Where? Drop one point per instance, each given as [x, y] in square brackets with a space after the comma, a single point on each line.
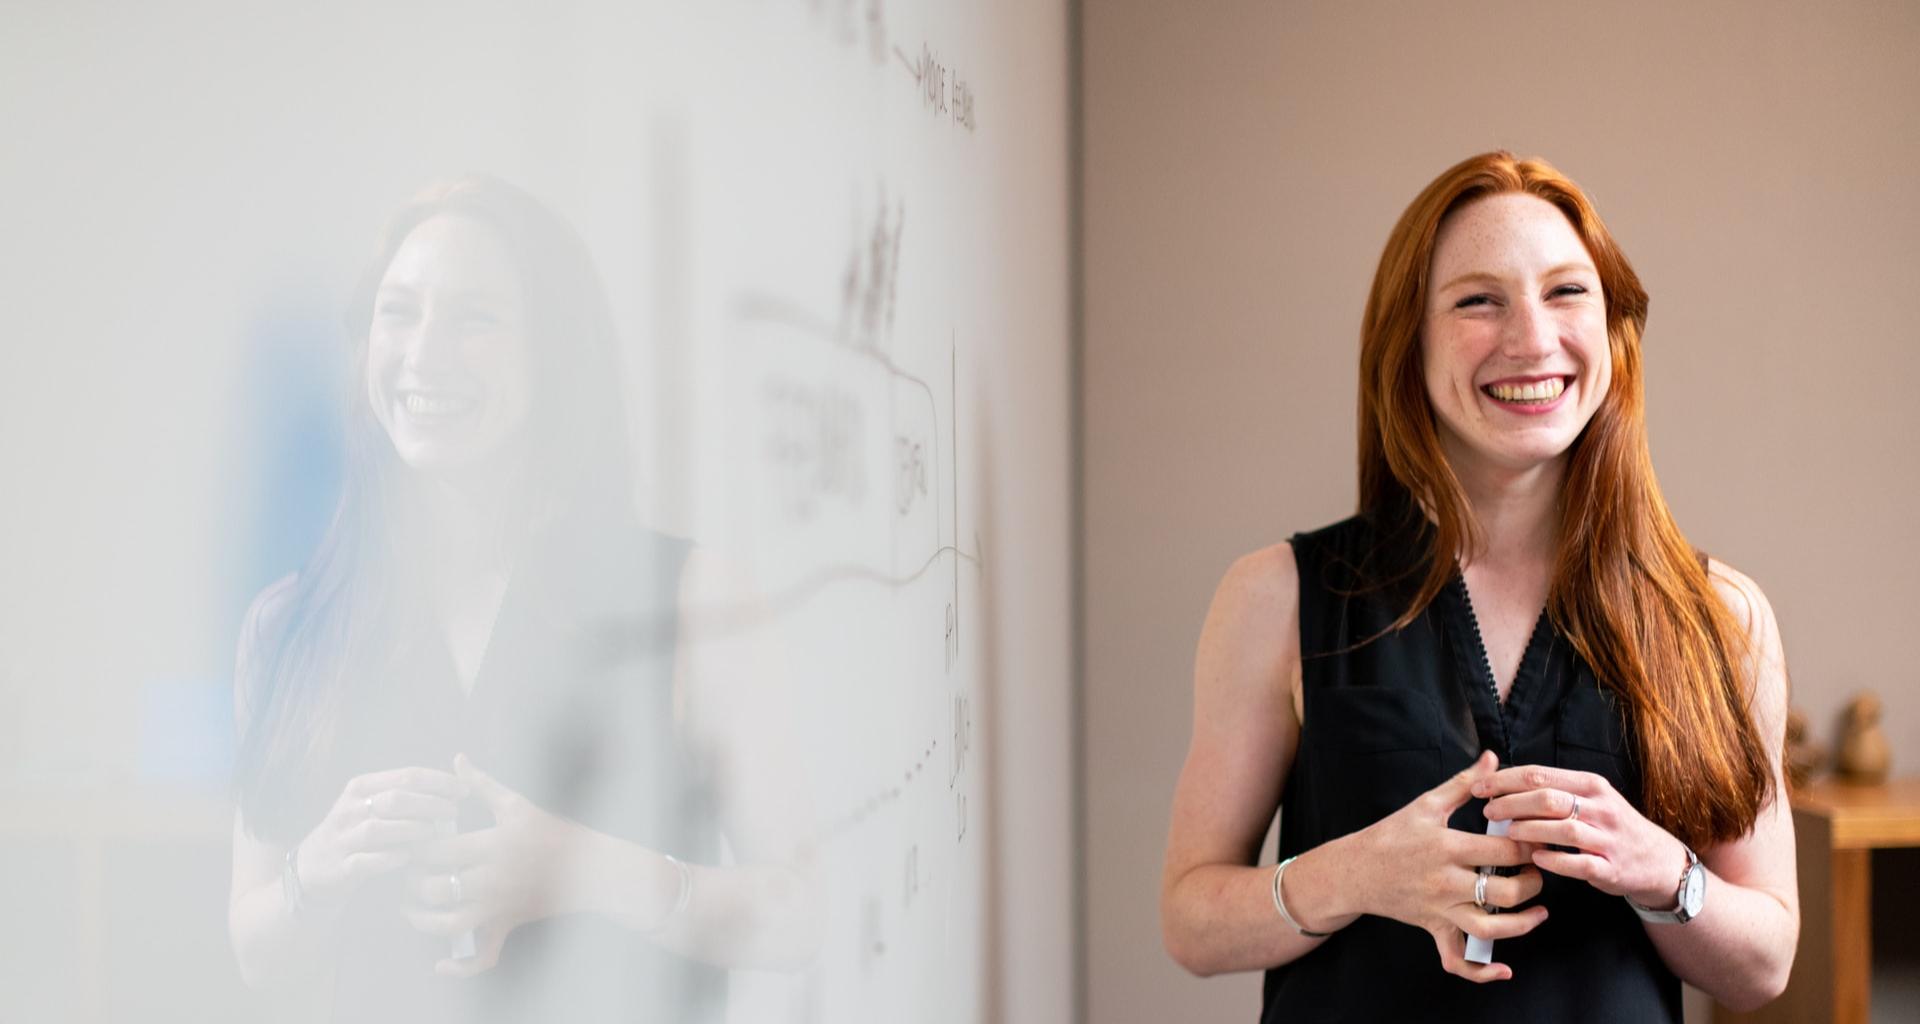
[1531, 331]
[434, 343]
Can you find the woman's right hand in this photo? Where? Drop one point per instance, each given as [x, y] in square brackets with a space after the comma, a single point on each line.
[1417, 870]
[369, 829]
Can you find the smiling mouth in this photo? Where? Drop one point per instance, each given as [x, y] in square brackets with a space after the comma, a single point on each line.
[437, 406]
[1539, 392]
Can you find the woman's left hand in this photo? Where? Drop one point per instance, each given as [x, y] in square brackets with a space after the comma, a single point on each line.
[1616, 849]
[492, 880]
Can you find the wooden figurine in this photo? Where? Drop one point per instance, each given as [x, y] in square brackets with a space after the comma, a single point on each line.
[1863, 747]
[1804, 756]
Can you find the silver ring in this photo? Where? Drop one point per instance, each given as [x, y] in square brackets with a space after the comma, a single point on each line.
[1480, 888]
[454, 881]
[368, 804]
[1575, 814]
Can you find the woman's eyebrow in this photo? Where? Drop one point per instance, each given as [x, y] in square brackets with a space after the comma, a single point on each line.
[462, 296]
[1491, 277]
[1477, 275]
[1575, 265]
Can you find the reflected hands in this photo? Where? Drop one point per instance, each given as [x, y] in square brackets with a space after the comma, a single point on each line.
[1615, 848]
[492, 880]
[1417, 870]
[370, 828]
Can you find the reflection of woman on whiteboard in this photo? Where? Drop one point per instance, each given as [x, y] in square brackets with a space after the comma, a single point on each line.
[1512, 634]
[465, 790]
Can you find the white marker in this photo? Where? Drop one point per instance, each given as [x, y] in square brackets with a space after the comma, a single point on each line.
[1479, 950]
[464, 946]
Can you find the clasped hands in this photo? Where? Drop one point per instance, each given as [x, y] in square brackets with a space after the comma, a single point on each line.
[1415, 869]
[489, 881]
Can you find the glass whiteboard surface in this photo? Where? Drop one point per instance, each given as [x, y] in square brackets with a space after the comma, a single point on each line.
[537, 512]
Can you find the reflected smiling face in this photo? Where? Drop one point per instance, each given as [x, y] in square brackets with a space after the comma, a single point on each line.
[447, 359]
[1514, 337]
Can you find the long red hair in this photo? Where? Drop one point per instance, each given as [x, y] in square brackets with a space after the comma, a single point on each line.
[1628, 591]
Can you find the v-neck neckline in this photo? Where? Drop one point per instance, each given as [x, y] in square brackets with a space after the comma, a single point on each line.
[1484, 691]
[466, 688]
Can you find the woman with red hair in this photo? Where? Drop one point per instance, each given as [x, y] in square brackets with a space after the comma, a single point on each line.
[1506, 703]
[480, 775]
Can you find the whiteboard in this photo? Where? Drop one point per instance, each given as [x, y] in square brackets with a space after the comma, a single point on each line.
[835, 236]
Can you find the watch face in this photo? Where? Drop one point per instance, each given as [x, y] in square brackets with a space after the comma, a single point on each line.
[1695, 891]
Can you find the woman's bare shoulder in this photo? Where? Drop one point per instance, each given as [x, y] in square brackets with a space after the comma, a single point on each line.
[268, 611]
[1751, 609]
[1250, 635]
[1744, 598]
[266, 617]
[1267, 576]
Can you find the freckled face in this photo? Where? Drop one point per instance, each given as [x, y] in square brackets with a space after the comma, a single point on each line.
[447, 360]
[1514, 337]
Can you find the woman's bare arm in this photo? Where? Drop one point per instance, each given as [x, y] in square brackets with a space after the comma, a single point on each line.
[1216, 912]
[764, 911]
[1216, 909]
[1740, 948]
[272, 948]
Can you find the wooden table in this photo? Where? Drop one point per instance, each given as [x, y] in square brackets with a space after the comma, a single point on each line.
[1836, 829]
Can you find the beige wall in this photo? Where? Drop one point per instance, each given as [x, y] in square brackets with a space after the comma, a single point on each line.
[1242, 164]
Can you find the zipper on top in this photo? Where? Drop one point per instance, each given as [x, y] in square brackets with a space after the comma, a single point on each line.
[1486, 663]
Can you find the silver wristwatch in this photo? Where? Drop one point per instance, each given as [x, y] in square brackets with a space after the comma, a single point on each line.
[1689, 899]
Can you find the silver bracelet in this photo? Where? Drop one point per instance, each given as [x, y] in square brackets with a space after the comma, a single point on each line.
[1281, 906]
[680, 898]
[290, 891]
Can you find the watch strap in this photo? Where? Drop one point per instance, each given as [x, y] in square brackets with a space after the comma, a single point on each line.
[1679, 914]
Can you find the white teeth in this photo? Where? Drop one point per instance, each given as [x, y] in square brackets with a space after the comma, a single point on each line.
[436, 405]
[1537, 391]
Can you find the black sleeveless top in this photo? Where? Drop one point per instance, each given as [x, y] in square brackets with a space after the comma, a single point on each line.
[1388, 720]
[573, 708]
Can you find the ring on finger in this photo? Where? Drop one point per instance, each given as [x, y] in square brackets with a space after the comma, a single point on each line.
[453, 881]
[1574, 815]
[368, 804]
[1480, 888]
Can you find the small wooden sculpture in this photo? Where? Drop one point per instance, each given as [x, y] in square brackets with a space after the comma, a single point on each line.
[1804, 756]
[1863, 747]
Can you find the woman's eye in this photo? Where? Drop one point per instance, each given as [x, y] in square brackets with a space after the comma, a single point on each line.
[1473, 300]
[394, 310]
[1568, 289]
